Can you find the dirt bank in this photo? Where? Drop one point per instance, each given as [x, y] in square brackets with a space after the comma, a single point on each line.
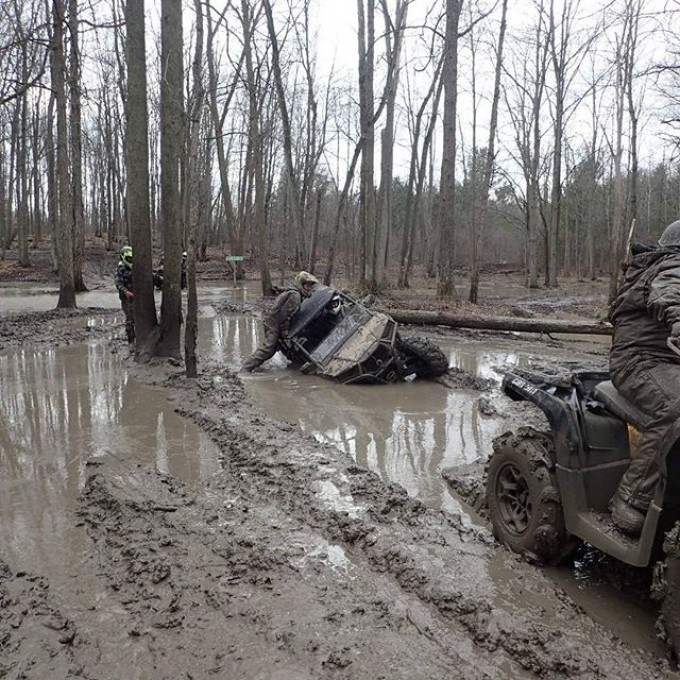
[291, 563]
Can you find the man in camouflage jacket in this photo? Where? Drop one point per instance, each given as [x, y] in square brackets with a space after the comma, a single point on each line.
[123, 280]
[277, 320]
[645, 313]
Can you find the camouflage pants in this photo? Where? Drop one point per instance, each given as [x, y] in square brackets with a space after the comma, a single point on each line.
[265, 351]
[654, 386]
[128, 307]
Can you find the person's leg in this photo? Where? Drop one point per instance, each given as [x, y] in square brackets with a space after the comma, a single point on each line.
[265, 351]
[655, 389]
[129, 311]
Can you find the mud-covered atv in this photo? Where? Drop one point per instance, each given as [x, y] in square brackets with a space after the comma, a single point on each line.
[547, 490]
[336, 337]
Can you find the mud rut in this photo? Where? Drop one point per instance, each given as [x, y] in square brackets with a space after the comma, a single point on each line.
[292, 562]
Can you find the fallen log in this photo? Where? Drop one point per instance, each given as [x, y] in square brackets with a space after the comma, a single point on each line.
[497, 323]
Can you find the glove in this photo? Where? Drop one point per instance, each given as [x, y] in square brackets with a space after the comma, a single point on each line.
[675, 330]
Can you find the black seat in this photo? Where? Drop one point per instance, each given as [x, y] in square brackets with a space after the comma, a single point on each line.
[606, 393]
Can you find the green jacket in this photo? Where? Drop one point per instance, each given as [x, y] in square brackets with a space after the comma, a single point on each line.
[644, 310]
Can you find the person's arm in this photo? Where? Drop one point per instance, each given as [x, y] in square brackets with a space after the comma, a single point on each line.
[663, 302]
[120, 283]
[288, 308]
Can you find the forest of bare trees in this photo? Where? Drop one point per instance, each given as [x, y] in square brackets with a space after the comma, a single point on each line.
[447, 137]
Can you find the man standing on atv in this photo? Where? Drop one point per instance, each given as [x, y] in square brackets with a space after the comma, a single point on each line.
[277, 320]
[645, 313]
[124, 286]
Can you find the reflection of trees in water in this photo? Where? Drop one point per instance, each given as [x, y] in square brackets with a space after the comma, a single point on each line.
[396, 430]
[234, 338]
[50, 406]
[61, 407]
[477, 361]
[406, 433]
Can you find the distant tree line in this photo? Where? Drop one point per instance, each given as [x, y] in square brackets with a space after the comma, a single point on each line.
[467, 138]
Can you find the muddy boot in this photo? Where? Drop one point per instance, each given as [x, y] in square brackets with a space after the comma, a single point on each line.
[625, 517]
[130, 333]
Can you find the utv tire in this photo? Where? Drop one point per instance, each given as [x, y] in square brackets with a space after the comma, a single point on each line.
[430, 361]
[523, 499]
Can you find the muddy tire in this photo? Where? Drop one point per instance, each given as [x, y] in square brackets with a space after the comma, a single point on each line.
[524, 503]
[666, 589]
[424, 357]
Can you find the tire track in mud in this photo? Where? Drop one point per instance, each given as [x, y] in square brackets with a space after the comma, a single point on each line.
[433, 556]
[35, 638]
[224, 583]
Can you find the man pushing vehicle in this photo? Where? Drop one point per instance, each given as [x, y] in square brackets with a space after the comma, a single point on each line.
[277, 321]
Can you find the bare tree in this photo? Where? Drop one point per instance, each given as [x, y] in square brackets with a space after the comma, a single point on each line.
[235, 232]
[632, 30]
[418, 170]
[172, 116]
[526, 114]
[76, 147]
[64, 231]
[254, 165]
[567, 57]
[139, 210]
[291, 175]
[447, 201]
[481, 211]
[367, 206]
[195, 194]
[394, 38]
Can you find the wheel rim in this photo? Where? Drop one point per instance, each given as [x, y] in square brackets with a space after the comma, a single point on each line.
[514, 499]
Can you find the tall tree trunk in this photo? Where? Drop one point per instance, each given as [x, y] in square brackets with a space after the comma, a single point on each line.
[139, 209]
[22, 181]
[172, 135]
[311, 263]
[489, 164]
[195, 196]
[36, 179]
[255, 160]
[590, 195]
[291, 181]
[385, 192]
[417, 173]
[634, 7]
[76, 150]
[447, 199]
[367, 208]
[234, 232]
[67, 288]
[619, 210]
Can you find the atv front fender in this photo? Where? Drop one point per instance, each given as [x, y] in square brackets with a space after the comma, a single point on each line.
[520, 389]
[557, 409]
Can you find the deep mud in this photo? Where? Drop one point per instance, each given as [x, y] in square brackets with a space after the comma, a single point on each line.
[292, 562]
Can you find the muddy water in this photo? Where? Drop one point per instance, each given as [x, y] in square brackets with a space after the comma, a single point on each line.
[61, 408]
[409, 432]
[406, 432]
[67, 405]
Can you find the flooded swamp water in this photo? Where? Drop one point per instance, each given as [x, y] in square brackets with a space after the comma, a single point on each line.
[64, 407]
